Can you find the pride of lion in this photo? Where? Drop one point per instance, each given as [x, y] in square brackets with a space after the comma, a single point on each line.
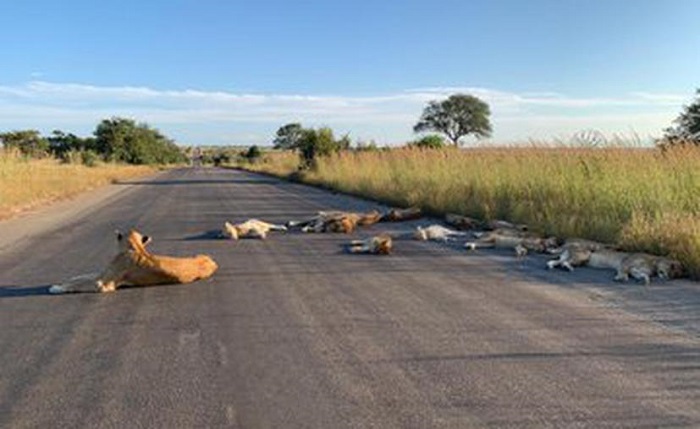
[134, 265]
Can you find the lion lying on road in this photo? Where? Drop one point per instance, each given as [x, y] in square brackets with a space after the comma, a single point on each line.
[576, 252]
[252, 228]
[400, 215]
[640, 266]
[436, 232]
[464, 223]
[336, 221]
[377, 245]
[509, 238]
[135, 266]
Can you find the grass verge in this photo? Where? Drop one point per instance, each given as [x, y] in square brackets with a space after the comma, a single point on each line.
[643, 199]
[26, 183]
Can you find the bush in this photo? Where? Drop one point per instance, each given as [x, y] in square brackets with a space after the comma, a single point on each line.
[432, 141]
[318, 143]
[89, 158]
[29, 143]
[252, 154]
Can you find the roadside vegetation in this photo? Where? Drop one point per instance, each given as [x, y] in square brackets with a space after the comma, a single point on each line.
[26, 183]
[643, 198]
[36, 169]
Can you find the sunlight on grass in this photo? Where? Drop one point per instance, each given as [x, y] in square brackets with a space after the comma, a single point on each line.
[642, 198]
[26, 183]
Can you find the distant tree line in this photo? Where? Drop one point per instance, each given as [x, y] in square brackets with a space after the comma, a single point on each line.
[114, 140]
[456, 117]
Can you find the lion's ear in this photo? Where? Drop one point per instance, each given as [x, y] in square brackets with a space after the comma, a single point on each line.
[119, 235]
[145, 239]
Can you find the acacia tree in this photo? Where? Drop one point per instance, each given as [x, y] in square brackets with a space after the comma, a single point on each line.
[288, 136]
[457, 116]
[687, 129]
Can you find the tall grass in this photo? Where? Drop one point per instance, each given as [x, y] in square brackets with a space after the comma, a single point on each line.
[27, 183]
[641, 198]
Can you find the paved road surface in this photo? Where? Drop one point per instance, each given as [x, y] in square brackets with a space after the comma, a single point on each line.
[292, 333]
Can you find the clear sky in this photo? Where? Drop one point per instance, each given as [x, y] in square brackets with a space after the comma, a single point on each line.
[232, 72]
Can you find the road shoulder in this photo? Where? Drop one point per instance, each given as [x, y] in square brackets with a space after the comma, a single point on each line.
[20, 229]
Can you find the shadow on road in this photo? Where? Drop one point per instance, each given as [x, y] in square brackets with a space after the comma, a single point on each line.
[18, 291]
[212, 234]
[194, 182]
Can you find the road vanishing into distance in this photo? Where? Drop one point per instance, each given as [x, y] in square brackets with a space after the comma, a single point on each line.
[293, 333]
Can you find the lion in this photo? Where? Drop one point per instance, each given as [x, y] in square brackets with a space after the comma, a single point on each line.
[135, 266]
[642, 266]
[574, 253]
[252, 228]
[400, 215]
[377, 245]
[436, 232]
[493, 225]
[336, 221]
[509, 238]
[462, 222]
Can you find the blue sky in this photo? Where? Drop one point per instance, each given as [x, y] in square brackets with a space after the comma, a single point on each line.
[232, 72]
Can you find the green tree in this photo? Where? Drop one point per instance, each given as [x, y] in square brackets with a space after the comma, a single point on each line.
[457, 116]
[317, 143]
[123, 140]
[687, 128]
[28, 142]
[253, 153]
[61, 143]
[288, 136]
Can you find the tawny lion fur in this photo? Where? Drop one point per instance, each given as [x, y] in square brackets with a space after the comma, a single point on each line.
[574, 253]
[377, 245]
[436, 232]
[337, 221]
[400, 215]
[509, 238]
[640, 266]
[252, 228]
[462, 222]
[135, 266]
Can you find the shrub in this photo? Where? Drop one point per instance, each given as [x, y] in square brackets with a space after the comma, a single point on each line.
[432, 141]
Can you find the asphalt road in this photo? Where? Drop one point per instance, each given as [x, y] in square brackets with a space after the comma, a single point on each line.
[293, 333]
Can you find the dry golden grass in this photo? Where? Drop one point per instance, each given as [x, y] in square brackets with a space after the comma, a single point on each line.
[278, 163]
[25, 184]
[644, 199]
